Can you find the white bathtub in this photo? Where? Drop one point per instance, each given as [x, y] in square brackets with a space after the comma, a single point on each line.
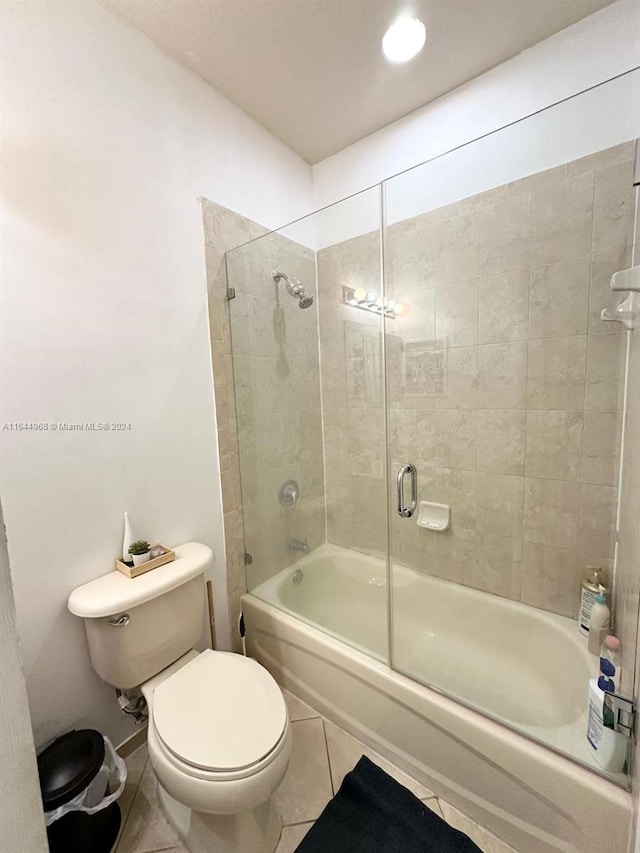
[525, 668]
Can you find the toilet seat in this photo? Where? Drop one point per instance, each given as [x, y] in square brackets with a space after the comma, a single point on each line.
[220, 715]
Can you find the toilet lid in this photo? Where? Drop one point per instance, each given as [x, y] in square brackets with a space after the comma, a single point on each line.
[221, 711]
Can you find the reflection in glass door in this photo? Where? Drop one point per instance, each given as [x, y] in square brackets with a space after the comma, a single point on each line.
[504, 390]
[309, 388]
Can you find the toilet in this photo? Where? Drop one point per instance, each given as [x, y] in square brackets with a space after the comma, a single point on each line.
[219, 737]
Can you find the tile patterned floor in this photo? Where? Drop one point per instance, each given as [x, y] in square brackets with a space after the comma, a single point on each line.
[322, 755]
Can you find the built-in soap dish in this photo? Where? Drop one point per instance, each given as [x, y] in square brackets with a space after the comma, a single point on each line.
[434, 516]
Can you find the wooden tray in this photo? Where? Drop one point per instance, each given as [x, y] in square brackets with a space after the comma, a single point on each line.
[134, 571]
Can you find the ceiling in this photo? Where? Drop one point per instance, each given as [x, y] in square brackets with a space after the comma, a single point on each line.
[312, 71]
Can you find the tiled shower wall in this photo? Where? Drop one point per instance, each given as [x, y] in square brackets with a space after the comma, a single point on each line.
[224, 229]
[503, 386]
[279, 434]
[277, 384]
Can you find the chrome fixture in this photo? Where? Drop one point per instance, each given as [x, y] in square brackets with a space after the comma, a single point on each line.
[119, 621]
[134, 706]
[297, 576]
[370, 301]
[295, 288]
[289, 495]
[298, 545]
[405, 511]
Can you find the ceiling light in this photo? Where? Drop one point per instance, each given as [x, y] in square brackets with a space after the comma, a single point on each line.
[404, 39]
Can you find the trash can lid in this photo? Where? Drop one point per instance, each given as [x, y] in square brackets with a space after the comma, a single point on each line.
[67, 766]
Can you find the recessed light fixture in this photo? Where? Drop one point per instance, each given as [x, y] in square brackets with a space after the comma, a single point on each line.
[404, 39]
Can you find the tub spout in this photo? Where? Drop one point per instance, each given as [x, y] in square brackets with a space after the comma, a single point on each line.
[298, 545]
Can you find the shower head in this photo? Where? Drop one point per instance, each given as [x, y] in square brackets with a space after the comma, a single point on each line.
[295, 288]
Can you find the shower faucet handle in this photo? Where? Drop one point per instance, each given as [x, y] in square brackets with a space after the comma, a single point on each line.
[289, 495]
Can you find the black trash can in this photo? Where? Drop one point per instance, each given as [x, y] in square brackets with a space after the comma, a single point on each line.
[66, 767]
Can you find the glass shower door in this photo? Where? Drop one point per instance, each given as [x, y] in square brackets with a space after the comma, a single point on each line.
[504, 391]
[309, 392]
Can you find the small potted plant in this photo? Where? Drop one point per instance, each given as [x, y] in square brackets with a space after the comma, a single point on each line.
[140, 552]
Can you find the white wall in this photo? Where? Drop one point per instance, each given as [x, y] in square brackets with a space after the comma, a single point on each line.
[21, 816]
[591, 51]
[108, 145]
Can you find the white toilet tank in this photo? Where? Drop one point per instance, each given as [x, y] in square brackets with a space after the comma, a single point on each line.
[138, 626]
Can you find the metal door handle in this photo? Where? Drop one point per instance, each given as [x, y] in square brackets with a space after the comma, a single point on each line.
[405, 511]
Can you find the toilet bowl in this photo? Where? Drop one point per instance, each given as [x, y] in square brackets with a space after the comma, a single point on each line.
[219, 737]
[219, 743]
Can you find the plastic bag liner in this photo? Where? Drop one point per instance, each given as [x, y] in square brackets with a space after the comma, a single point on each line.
[104, 789]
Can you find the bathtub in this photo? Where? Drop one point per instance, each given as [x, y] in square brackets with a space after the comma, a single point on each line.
[527, 669]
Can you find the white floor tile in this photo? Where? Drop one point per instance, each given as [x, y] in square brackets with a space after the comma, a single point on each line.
[146, 828]
[292, 836]
[486, 842]
[306, 787]
[345, 751]
[298, 710]
[136, 763]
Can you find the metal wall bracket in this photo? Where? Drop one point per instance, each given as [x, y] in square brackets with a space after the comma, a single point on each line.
[624, 713]
[231, 293]
[248, 559]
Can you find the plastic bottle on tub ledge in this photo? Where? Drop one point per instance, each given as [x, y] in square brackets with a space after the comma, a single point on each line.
[610, 663]
[608, 745]
[592, 586]
[598, 624]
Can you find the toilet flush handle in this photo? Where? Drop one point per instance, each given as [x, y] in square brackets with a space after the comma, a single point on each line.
[119, 621]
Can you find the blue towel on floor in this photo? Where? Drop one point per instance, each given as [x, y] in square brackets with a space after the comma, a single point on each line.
[372, 813]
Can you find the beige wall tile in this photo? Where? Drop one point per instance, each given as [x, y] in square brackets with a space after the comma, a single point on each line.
[549, 578]
[597, 519]
[554, 444]
[474, 202]
[455, 555]
[412, 433]
[613, 208]
[551, 511]
[502, 376]
[601, 448]
[535, 182]
[499, 504]
[504, 232]
[411, 257]
[605, 371]
[457, 314]
[458, 251]
[455, 445]
[418, 378]
[498, 562]
[562, 218]
[503, 307]
[556, 373]
[418, 322]
[560, 299]
[458, 489]
[334, 383]
[501, 441]
[461, 379]
[601, 159]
